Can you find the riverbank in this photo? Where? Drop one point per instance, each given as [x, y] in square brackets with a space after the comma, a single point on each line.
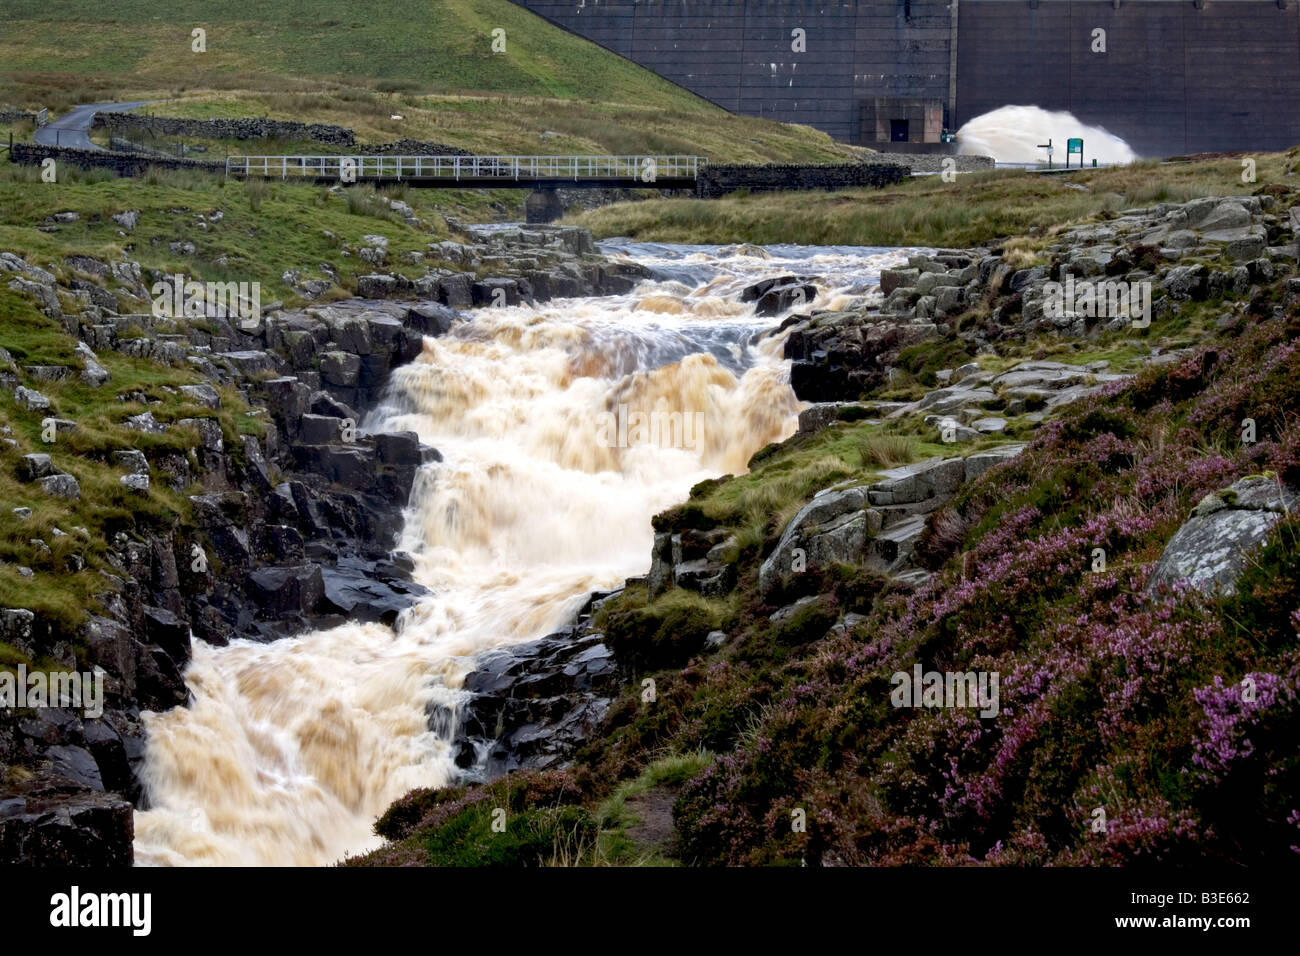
[1128, 569]
[972, 209]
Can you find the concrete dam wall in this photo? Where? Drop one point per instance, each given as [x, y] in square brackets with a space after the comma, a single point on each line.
[1168, 76]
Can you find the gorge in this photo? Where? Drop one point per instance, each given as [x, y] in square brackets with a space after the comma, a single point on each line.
[289, 750]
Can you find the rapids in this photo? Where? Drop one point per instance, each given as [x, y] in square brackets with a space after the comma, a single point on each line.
[290, 750]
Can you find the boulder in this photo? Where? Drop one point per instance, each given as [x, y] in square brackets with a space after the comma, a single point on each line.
[891, 279]
[203, 394]
[31, 399]
[61, 486]
[834, 526]
[935, 478]
[1186, 282]
[1210, 550]
[32, 467]
[135, 482]
[287, 590]
[340, 368]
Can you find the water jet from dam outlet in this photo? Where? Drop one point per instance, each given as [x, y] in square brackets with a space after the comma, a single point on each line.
[1015, 134]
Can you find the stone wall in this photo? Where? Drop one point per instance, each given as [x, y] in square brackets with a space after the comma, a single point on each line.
[933, 162]
[718, 180]
[413, 147]
[15, 116]
[126, 124]
[124, 164]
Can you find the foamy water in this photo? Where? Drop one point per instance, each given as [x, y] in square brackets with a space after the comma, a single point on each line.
[1014, 134]
[290, 750]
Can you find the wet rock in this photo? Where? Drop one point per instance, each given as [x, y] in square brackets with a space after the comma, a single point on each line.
[783, 298]
[284, 590]
[496, 292]
[360, 596]
[431, 318]
[530, 706]
[52, 821]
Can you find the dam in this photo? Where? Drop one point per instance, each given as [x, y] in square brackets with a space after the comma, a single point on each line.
[1170, 77]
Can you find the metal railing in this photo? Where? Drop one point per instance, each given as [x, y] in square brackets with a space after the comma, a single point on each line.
[647, 169]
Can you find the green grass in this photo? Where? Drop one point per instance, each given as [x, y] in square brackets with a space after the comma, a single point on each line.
[266, 227]
[975, 209]
[356, 64]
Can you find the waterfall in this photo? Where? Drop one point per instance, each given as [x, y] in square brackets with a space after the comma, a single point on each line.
[290, 750]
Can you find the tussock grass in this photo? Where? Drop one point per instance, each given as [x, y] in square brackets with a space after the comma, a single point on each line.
[886, 451]
[975, 209]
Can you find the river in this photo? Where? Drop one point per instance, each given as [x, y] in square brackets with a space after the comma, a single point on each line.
[290, 750]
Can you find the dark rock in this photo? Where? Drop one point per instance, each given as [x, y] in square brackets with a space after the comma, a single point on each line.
[431, 318]
[51, 821]
[283, 590]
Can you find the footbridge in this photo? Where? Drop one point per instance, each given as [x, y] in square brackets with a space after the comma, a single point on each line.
[486, 172]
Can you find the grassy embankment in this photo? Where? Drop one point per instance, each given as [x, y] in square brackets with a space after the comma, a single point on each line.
[265, 229]
[974, 209]
[1110, 698]
[358, 65]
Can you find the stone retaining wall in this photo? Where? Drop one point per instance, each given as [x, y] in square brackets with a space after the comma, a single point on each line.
[719, 180]
[124, 164]
[241, 128]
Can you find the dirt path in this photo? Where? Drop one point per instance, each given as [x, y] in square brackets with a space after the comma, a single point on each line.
[654, 833]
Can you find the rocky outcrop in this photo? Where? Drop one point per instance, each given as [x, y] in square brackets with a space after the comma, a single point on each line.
[875, 525]
[1125, 271]
[55, 822]
[531, 705]
[1211, 549]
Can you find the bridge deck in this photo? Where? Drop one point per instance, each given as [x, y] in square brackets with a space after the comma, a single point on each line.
[498, 172]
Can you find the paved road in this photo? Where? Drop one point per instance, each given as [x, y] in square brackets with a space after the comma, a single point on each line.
[73, 128]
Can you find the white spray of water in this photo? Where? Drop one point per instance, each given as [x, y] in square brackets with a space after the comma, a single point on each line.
[290, 750]
[1014, 134]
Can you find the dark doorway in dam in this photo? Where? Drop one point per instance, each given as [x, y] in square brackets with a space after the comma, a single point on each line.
[898, 131]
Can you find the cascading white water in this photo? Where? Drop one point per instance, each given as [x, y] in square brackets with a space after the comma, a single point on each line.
[1014, 134]
[290, 750]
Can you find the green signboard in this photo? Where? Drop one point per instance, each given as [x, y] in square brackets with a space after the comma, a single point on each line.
[1074, 146]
